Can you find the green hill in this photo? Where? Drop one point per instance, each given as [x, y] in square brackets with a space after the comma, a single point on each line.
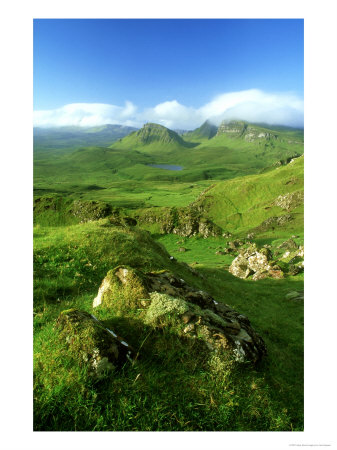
[225, 156]
[152, 137]
[268, 204]
[244, 203]
[205, 131]
[94, 206]
[190, 389]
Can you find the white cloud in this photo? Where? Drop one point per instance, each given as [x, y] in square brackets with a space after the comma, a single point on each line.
[252, 105]
[85, 114]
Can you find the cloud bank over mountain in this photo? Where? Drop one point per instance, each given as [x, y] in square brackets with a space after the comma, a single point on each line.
[252, 105]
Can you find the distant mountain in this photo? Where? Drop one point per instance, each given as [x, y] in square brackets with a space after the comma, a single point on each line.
[206, 130]
[256, 132]
[180, 132]
[152, 135]
[70, 137]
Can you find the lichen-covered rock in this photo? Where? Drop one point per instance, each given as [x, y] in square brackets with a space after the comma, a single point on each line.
[122, 287]
[88, 210]
[290, 244]
[295, 269]
[207, 228]
[289, 201]
[255, 261]
[234, 244]
[169, 300]
[260, 275]
[222, 329]
[90, 343]
[240, 267]
[186, 222]
[276, 273]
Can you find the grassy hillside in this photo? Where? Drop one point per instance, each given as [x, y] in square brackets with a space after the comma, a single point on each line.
[173, 385]
[243, 203]
[92, 207]
[205, 131]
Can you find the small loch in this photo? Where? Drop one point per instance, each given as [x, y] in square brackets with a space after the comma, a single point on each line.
[166, 166]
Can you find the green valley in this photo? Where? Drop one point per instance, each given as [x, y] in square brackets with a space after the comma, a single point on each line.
[198, 273]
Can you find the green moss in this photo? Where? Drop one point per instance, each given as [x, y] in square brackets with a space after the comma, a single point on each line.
[165, 309]
[127, 287]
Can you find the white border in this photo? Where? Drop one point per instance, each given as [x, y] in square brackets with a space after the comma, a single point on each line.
[320, 189]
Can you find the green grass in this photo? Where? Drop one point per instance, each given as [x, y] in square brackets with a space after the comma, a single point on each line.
[218, 158]
[244, 203]
[174, 385]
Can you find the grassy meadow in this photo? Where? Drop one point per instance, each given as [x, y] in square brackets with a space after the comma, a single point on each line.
[175, 384]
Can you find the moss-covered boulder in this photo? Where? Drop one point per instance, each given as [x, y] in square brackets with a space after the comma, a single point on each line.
[122, 288]
[168, 301]
[91, 344]
[86, 210]
[221, 331]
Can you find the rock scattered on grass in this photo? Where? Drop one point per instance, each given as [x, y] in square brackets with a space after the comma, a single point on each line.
[256, 262]
[168, 299]
[295, 295]
[91, 343]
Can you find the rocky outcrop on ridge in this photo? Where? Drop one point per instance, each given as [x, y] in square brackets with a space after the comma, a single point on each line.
[273, 222]
[87, 211]
[238, 128]
[289, 201]
[184, 222]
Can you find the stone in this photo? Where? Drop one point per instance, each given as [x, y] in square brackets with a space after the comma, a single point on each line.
[273, 222]
[276, 273]
[289, 201]
[91, 343]
[294, 295]
[290, 244]
[259, 275]
[182, 249]
[122, 283]
[255, 261]
[295, 269]
[240, 268]
[258, 262]
[170, 300]
[104, 288]
[88, 210]
[221, 332]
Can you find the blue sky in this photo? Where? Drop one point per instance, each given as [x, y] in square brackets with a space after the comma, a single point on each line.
[181, 64]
